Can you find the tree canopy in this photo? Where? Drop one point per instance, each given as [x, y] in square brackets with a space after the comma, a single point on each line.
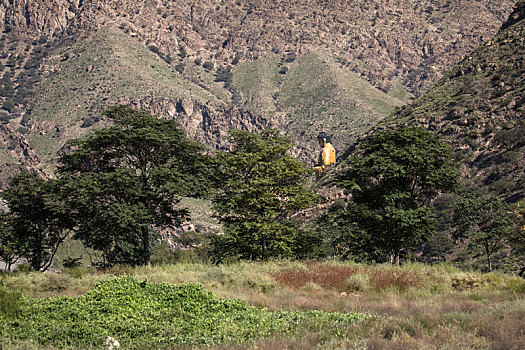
[39, 220]
[260, 186]
[393, 178]
[126, 180]
[486, 222]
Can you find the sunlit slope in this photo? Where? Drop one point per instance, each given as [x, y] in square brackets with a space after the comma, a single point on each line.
[479, 107]
[310, 93]
[107, 67]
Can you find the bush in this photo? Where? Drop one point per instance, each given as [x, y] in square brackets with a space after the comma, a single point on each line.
[10, 302]
[467, 280]
[357, 283]
[4, 117]
[71, 262]
[290, 58]
[9, 106]
[208, 65]
[161, 254]
[179, 68]
[78, 271]
[225, 75]
[236, 59]
[23, 268]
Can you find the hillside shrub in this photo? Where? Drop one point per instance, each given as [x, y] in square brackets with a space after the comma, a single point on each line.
[9, 106]
[290, 58]
[357, 283]
[208, 65]
[10, 302]
[180, 68]
[78, 271]
[4, 117]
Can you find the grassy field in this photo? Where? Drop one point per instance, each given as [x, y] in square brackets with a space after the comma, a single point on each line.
[362, 306]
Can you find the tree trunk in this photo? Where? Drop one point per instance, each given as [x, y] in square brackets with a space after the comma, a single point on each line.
[397, 257]
[145, 245]
[487, 251]
[263, 249]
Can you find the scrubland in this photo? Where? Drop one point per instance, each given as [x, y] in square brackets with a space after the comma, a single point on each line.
[414, 306]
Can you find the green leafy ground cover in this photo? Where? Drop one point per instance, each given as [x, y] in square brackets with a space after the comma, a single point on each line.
[151, 315]
[416, 306]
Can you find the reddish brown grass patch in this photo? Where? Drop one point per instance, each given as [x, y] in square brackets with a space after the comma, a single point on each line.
[335, 277]
[324, 275]
[401, 280]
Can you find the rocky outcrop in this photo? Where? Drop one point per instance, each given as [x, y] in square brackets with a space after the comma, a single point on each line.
[37, 17]
[200, 122]
[19, 155]
[479, 108]
[381, 40]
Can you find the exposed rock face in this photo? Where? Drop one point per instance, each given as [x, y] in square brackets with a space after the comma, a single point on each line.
[382, 40]
[37, 17]
[199, 121]
[388, 42]
[21, 154]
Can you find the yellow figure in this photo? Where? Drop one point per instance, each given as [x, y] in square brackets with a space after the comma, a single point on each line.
[327, 155]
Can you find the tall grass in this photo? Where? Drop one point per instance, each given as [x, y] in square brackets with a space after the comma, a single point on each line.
[420, 306]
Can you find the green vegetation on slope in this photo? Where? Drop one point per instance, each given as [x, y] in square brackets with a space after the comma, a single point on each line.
[258, 81]
[317, 94]
[106, 67]
[141, 314]
[479, 107]
[305, 93]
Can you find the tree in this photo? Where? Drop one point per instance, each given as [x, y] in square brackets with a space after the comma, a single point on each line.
[393, 178]
[260, 186]
[10, 250]
[126, 180]
[335, 234]
[39, 216]
[485, 221]
[517, 240]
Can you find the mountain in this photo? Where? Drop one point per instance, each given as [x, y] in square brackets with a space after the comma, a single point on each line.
[479, 108]
[296, 65]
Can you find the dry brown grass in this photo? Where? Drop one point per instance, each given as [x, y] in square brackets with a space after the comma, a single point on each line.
[336, 277]
[324, 275]
[419, 307]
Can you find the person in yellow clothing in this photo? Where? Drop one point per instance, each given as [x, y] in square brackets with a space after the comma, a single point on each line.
[327, 155]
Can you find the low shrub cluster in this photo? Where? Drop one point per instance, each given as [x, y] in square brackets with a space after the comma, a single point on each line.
[145, 315]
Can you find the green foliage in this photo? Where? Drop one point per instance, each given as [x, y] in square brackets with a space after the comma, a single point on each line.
[70, 262]
[225, 75]
[125, 179]
[10, 302]
[10, 247]
[161, 254]
[143, 315]
[260, 185]
[40, 218]
[486, 222]
[393, 178]
[180, 68]
[336, 234]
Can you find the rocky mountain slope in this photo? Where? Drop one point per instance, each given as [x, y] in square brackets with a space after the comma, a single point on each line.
[298, 65]
[479, 108]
